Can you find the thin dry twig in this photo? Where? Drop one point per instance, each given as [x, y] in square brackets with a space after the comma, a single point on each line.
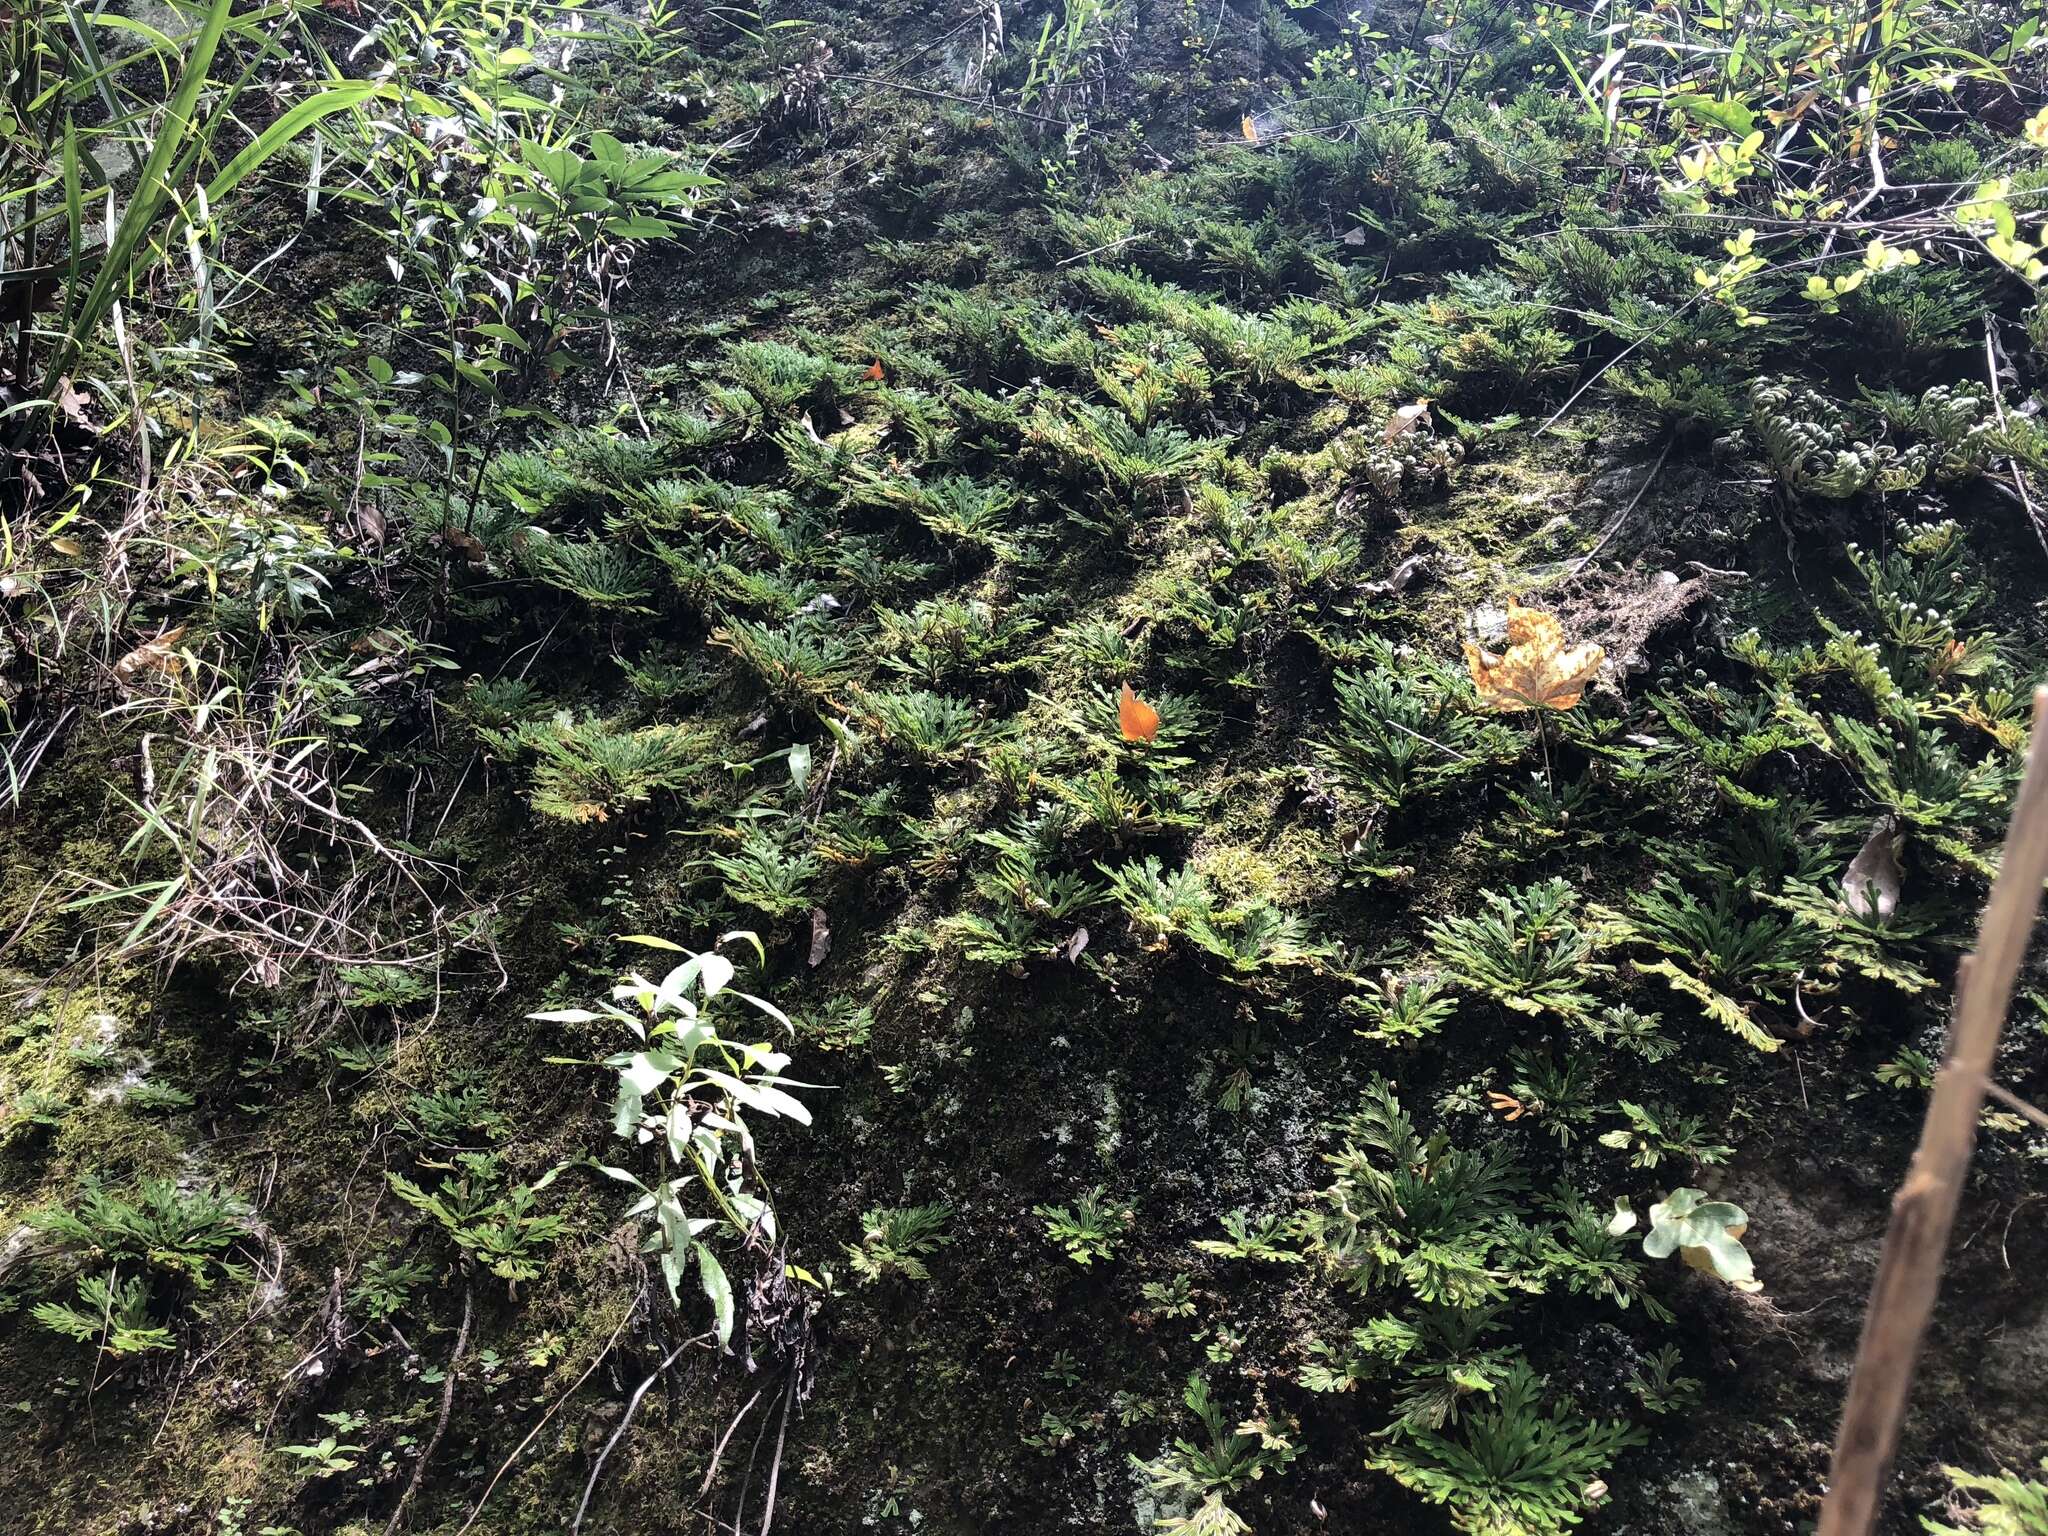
[626, 1423]
[2019, 481]
[1625, 513]
[967, 101]
[520, 1449]
[718, 1450]
[2016, 1104]
[775, 1467]
[1097, 250]
[419, 1469]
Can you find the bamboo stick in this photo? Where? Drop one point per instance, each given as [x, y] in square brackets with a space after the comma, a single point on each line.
[1924, 1209]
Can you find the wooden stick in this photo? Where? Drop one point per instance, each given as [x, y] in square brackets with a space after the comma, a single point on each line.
[1924, 1209]
[419, 1468]
[2017, 1105]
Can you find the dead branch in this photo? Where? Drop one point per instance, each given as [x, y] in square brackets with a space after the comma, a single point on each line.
[270, 866]
[1924, 1209]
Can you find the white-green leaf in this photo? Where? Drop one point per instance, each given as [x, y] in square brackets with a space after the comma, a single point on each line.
[712, 1274]
[644, 1073]
[716, 972]
[769, 1100]
[768, 1008]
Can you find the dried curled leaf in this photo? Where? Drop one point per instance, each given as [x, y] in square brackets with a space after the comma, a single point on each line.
[1537, 671]
[467, 545]
[1407, 419]
[158, 655]
[1872, 882]
[1138, 720]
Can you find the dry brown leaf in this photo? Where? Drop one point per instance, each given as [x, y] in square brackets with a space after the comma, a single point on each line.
[1401, 578]
[69, 401]
[1406, 419]
[1506, 1105]
[1537, 670]
[1138, 720]
[821, 936]
[1873, 880]
[1947, 659]
[467, 545]
[157, 655]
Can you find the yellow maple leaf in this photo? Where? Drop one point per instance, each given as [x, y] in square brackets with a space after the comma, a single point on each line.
[1537, 670]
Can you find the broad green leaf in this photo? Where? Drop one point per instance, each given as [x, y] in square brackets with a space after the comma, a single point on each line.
[743, 933]
[1733, 116]
[648, 1070]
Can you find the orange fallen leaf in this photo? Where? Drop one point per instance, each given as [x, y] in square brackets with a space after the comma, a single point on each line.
[875, 370]
[1537, 671]
[1511, 1107]
[1251, 131]
[1138, 720]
